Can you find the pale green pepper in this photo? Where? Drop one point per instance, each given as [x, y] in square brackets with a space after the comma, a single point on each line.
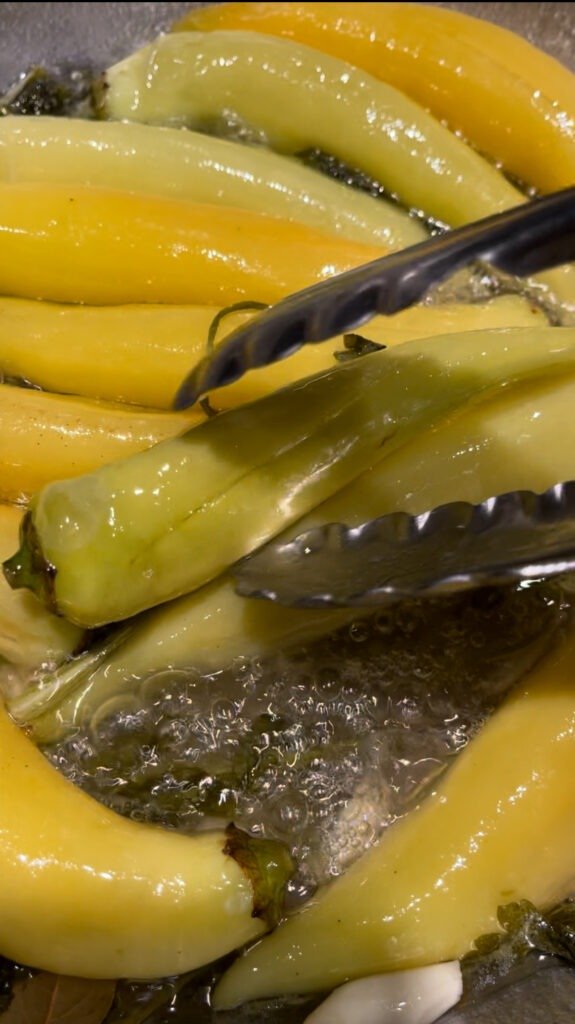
[189, 165]
[504, 440]
[146, 529]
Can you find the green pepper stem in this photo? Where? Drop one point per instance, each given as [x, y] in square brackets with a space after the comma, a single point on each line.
[268, 865]
[28, 567]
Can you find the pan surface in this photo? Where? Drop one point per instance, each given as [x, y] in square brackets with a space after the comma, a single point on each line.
[96, 34]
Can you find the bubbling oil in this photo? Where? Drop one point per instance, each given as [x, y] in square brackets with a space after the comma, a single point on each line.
[320, 747]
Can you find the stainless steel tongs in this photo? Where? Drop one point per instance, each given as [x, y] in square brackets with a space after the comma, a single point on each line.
[514, 536]
[525, 240]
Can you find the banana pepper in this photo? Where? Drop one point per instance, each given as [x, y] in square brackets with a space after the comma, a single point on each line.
[141, 354]
[433, 883]
[508, 98]
[141, 531]
[94, 245]
[45, 437]
[506, 442]
[91, 894]
[301, 98]
[189, 165]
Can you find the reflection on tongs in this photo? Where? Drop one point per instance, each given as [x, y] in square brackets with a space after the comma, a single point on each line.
[517, 536]
[511, 538]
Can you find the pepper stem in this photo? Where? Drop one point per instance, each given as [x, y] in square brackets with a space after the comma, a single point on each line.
[268, 865]
[28, 567]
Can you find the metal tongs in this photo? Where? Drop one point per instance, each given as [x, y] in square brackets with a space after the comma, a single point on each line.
[517, 536]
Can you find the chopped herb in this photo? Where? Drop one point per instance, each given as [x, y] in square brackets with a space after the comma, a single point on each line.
[40, 92]
[527, 935]
[334, 168]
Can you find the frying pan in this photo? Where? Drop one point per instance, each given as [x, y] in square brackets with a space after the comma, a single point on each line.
[96, 34]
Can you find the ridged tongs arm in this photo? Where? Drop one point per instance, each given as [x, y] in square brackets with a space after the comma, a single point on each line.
[529, 238]
[507, 539]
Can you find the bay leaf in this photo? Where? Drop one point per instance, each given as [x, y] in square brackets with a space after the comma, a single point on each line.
[55, 999]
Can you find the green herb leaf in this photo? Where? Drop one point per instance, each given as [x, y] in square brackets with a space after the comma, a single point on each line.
[355, 346]
[54, 999]
[525, 931]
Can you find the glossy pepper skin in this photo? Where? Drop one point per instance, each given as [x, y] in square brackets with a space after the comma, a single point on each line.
[508, 98]
[504, 443]
[499, 828]
[99, 246]
[141, 531]
[199, 168]
[46, 437]
[141, 353]
[301, 98]
[88, 893]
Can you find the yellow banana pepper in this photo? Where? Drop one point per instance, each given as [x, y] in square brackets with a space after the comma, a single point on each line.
[501, 827]
[189, 165]
[510, 99]
[141, 354]
[81, 244]
[88, 893]
[45, 437]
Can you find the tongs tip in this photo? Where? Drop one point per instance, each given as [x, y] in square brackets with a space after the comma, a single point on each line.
[531, 237]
